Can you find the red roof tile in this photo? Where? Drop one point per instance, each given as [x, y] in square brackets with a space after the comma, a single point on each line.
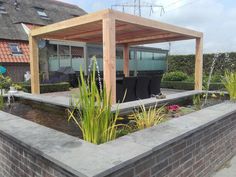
[6, 55]
[32, 26]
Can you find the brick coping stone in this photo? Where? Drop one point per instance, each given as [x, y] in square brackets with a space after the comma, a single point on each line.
[88, 160]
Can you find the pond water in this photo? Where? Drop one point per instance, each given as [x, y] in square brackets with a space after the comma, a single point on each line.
[46, 115]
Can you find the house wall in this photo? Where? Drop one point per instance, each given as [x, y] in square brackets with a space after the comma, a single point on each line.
[16, 70]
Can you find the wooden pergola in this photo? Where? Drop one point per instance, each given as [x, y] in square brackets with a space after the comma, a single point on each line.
[111, 28]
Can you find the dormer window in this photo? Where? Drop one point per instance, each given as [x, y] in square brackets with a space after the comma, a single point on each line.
[74, 15]
[15, 49]
[2, 8]
[41, 12]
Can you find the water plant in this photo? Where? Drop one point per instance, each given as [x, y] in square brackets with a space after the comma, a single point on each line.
[93, 106]
[147, 117]
[229, 82]
[197, 103]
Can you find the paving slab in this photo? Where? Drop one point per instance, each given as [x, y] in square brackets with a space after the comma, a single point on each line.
[228, 170]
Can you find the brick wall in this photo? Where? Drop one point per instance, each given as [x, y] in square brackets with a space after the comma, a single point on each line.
[18, 161]
[197, 155]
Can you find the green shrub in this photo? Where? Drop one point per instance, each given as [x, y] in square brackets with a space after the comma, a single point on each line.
[5, 82]
[216, 78]
[180, 85]
[175, 76]
[186, 63]
[47, 88]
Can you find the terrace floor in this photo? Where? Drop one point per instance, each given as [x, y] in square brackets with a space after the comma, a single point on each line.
[67, 93]
[228, 170]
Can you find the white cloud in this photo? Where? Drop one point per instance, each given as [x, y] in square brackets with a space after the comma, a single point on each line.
[212, 17]
[215, 18]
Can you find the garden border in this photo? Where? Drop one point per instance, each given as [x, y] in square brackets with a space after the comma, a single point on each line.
[75, 157]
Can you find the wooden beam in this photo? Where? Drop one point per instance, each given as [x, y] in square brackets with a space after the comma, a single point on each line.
[126, 60]
[148, 38]
[153, 24]
[198, 63]
[34, 65]
[74, 22]
[95, 32]
[140, 33]
[160, 40]
[109, 56]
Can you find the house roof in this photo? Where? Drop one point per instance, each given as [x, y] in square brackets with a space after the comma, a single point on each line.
[6, 55]
[10, 23]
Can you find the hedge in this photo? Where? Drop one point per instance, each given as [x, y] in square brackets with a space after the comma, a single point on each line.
[181, 85]
[47, 88]
[185, 63]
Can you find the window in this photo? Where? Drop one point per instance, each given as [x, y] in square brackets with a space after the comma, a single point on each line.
[2, 8]
[41, 12]
[73, 15]
[15, 49]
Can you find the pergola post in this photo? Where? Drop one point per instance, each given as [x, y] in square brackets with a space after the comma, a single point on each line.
[34, 65]
[198, 63]
[109, 55]
[126, 60]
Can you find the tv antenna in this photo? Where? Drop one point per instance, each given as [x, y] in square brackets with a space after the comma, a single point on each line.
[138, 6]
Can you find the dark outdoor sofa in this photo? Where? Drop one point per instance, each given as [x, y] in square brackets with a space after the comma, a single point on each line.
[141, 87]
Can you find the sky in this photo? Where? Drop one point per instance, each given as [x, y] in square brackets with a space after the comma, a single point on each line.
[215, 18]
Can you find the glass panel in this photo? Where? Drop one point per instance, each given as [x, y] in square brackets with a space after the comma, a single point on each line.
[77, 55]
[119, 54]
[65, 61]
[53, 59]
[64, 55]
[78, 63]
[119, 64]
[64, 51]
[53, 63]
[150, 61]
[77, 52]
[132, 61]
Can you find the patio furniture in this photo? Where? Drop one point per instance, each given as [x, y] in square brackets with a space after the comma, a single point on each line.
[119, 92]
[73, 80]
[142, 87]
[155, 85]
[129, 84]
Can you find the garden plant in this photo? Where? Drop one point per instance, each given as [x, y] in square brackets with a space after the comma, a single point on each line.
[93, 106]
[229, 82]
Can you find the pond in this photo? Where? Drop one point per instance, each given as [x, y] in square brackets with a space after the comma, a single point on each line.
[44, 114]
[55, 117]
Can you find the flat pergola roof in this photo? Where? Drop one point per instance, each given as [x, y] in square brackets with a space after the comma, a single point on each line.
[129, 29]
[113, 28]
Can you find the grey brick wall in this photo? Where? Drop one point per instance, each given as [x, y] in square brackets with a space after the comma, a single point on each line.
[197, 155]
[18, 161]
